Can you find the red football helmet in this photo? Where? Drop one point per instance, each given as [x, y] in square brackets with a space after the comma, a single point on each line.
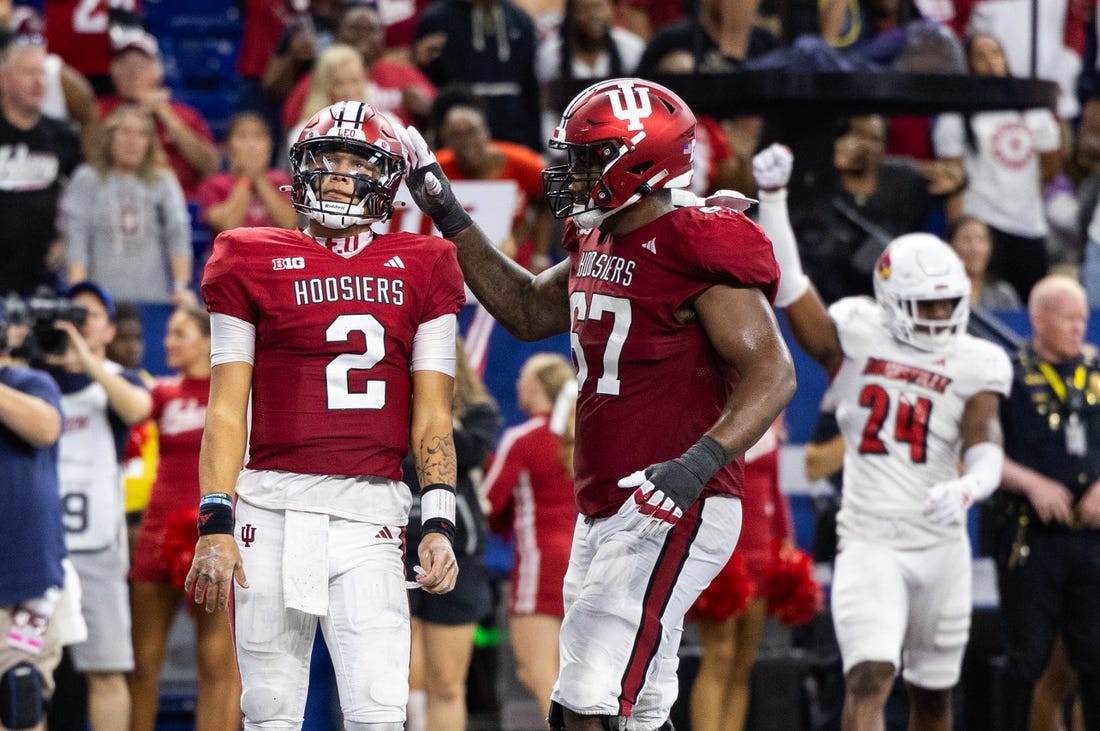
[624, 138]
[346, 129]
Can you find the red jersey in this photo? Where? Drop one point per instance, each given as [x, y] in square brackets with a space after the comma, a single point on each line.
[651, 386]
[79, 32]
[179, 409]
[531, 494]
[332, 380]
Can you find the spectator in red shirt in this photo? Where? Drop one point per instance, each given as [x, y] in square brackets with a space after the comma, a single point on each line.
[138, 75]
[529, 487]
[157, 573]
[248, 193]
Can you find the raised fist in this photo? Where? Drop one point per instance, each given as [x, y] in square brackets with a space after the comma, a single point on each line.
[771, 167]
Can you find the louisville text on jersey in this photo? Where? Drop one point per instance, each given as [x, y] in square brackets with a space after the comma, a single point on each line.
[908, 373]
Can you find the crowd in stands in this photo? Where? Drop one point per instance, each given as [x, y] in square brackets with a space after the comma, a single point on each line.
[133, 134]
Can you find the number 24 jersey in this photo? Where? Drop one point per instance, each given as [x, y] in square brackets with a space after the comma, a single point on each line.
[332, 380]
[900, 409]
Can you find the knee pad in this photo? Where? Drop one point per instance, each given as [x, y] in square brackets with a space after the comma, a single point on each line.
[21, 702]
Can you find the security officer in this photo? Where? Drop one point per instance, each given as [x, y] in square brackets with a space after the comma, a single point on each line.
[33, 543]
[1048, 557]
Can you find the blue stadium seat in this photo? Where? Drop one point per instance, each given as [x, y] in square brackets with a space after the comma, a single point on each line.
[206, 63]
[216, 107]
[226, 23]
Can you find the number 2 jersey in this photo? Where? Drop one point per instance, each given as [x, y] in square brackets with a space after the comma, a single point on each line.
[650, 385]
[332, 380]
[900, 410]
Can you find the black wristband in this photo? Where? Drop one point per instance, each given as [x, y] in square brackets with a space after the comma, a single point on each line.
[439, 525]
[446, 212]
[215, 518]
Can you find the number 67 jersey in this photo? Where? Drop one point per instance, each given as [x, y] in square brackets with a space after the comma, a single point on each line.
[332, 380]
[900, 410]
[650, 383]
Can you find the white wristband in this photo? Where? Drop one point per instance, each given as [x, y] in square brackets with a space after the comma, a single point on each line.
[984, 462]
[438, 502]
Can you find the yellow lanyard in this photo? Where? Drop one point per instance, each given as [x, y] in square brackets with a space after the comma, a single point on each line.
[1056, 382]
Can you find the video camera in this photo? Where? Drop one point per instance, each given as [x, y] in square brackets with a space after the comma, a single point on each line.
[38, 314]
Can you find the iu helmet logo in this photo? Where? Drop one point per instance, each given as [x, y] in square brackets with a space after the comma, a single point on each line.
[631, 104]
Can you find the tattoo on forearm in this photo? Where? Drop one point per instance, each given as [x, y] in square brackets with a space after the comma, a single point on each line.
[436, 461]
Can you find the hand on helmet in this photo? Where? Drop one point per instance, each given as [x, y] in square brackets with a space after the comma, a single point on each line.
[771, 167]
[429, 187]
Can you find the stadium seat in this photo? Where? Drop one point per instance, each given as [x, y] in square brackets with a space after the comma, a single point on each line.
[216, 107]
[206, 63]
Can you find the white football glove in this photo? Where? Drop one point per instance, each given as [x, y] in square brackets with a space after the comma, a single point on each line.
[648, 509]
[428, 185]
[663, 491]
[771, 167]
[947, 502]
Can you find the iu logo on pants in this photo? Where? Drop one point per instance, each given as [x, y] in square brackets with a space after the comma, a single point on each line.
[248, 534]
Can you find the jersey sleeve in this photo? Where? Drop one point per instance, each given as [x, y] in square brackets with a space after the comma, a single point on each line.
[722, 246]
[991, 369]
[224, 287]
[446, 293]
[858, 324]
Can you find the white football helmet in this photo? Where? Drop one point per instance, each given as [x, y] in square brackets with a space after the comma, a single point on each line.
[921, 267]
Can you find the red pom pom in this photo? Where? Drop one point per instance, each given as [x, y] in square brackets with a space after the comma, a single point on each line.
[793, 594]
[728, 595]
[178, 549]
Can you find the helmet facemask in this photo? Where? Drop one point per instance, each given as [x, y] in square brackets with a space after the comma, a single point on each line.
[375, 175]
[577, 186]
[926, 333]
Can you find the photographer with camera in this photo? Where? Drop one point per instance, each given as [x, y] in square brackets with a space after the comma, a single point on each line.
[100, 400]
[33, 548]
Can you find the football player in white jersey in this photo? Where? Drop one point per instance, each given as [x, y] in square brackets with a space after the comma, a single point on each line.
[915, 397]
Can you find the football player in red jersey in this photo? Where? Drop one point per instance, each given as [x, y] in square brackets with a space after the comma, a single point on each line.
[681, 368]
[345, 341]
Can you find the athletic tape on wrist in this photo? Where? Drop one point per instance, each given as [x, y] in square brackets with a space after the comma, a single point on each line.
[437, 510]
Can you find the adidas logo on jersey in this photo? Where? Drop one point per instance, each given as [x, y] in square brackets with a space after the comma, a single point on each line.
[384, 533]
[395, 262]
[650, 246]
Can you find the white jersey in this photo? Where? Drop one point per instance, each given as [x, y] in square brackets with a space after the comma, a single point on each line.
[90, 476]
[900, 410]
